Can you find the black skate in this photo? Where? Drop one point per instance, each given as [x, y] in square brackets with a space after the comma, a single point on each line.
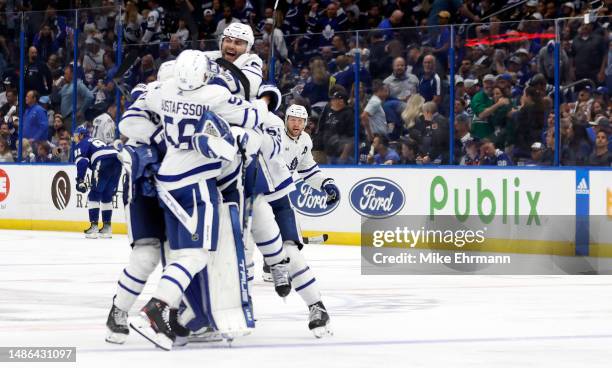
[267, 276]
[180, 331]
[318, 320]
[106, 232]
[153, 322]
[280, 276]
[117, 325]
[92, 231]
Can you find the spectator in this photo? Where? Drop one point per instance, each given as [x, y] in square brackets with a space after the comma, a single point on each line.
[456, 7]
[37, 75]
[93, 61]
[442, 38]
[462, 135]
[430, 84]
[43, 153]
[546, 63]
[491, 156]
[381, 153]
[529, 121]
[336, 128]
[182, 32]
[208, 26]
[226, 21]
[471, 157]
[316, 90]
[244, 11]
[36, 124]
[11, 103]
[5, 151]
[484, 107]
[269, 32]
[84, 97]
[9, 138]
[537, 154]
[412, 111]
[388, 24]
[409, 151]
[401, 83]
[373, 117]
[132, 21]
[45, 42]
[61, 153]
[326, 24]
[45, 103]
[588, 53]
[431, 132]
[55, 129]
[600, 155]
[576, 146]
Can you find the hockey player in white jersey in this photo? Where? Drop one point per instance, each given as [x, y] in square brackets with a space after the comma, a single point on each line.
[187, 179]
[104, 126]
[297, 153]
[141, 156]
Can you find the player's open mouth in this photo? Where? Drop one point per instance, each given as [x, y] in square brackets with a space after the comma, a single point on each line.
[230, 53]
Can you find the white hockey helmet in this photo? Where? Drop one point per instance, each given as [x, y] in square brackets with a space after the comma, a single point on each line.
[166, 70]
[241, 32]
[193, 69]
[298, 111]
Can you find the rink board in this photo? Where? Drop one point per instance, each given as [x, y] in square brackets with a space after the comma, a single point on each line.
[43, 197]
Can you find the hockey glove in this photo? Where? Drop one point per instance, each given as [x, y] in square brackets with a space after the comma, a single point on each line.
[81, 187]
[273, 93]
[332, 191]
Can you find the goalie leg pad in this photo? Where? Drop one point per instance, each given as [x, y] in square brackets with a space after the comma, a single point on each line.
[302, 277]
[143, 260]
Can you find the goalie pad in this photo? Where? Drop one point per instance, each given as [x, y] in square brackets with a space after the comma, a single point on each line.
[218, 296]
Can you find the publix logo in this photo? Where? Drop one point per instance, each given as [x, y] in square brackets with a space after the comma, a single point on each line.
[309, 201]
[377, 198]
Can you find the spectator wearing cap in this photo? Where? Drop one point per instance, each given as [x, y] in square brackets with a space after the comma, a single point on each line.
[442, 38]
[207, 26]
[599, 124]
[537, 155]
[35, 122]
[387, 25]
[484, 107]
[93, 61]
[430, 83]
[471, 88]
[601, 156]
[335, 130]
[373, 118]
[453, 7]
[491, 156]
[381, 153]
[276, 36]
[588, 51]
[45, 103]
[431, 132]
[37, 75]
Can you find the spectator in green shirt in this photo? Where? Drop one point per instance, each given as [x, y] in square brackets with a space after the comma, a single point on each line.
[484, 107]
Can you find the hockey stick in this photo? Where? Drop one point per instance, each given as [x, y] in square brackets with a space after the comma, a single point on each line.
[130, 60]
[246, 85]
[319, 239]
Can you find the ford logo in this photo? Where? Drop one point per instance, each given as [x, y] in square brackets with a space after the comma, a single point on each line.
[377, 198]
[309, 201]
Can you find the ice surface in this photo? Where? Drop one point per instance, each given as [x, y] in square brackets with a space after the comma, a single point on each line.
[56, 289]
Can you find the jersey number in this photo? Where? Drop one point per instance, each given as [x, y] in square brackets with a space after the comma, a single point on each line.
[179, 134]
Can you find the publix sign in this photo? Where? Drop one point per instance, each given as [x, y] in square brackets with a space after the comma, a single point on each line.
[309, 201]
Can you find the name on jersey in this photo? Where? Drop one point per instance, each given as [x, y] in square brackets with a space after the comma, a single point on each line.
[176, 107]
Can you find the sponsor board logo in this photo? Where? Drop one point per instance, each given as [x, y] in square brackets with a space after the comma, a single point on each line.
[609, 202]
[582, 187]
[377, 198]
[60, 190]
[5, 185]
[309, 201]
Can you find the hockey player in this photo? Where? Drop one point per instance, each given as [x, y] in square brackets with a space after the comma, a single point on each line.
[187, 179]
[104, 125]
[105, 174]
[141, 156]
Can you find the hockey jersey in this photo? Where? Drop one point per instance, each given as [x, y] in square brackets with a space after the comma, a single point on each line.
[297, 153]
[88, 152]
[250, 65]
[104, 128]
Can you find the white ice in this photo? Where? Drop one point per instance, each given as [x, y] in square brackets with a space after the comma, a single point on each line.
[56, 289]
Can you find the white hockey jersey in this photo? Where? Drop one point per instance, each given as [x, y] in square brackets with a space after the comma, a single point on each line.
[180, 112]
[250, 65]
[153, 32]
[104, 128]
[297, 153]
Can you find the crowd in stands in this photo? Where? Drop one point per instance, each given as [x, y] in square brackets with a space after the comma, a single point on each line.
[502, 52]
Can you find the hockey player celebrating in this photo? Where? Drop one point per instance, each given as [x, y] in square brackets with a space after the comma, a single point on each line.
[187, 179]
[105, 174]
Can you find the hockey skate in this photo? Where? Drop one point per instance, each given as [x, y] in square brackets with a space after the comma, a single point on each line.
[106, 232]
[153, 323]
[117, 324]
[92, 231]
[280, 276]
[318, 320]
[267, 276]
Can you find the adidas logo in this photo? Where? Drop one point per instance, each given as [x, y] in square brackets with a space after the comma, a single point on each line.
[582, 187]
